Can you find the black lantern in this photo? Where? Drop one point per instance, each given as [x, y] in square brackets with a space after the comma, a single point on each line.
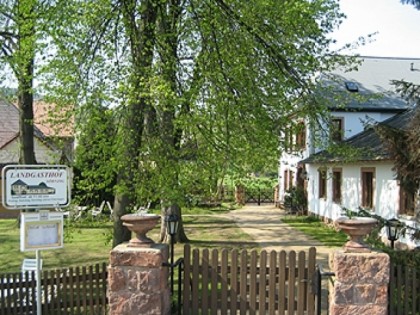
[393, 230]
[172, 223]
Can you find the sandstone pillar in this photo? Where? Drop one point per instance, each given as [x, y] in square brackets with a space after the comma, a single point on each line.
[361, 283]
[138, 284]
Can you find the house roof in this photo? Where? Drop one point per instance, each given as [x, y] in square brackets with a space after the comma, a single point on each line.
[52, 120]
[45, 126]
[368, 144]
[369, 86]
[9, 124]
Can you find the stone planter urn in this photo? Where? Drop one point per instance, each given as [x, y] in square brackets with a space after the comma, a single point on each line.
[356, 228]
[140, 224]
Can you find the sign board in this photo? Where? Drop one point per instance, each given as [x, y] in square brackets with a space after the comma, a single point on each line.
[35, 186]
[41, 230]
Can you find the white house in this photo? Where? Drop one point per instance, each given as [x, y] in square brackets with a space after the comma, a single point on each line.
[332, 182]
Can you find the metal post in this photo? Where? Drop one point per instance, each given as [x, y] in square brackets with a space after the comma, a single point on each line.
[38, 283]
[319, 288]
[172, 264]
[259, 196]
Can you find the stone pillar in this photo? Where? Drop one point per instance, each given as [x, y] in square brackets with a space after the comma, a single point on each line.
[361, 283]
[138, 284]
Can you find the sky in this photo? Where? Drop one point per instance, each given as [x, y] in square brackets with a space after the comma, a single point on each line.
[397, 26]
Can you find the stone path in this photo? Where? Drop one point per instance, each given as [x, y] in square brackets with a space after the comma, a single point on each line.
[263, 224]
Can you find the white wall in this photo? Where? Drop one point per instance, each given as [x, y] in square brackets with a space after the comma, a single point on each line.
[354, 122]
[386, 198]
[43, 154]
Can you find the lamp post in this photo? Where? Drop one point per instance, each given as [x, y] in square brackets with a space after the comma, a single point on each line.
[393, 230]
[172, 228]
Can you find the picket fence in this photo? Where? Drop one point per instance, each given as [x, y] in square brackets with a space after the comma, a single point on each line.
[79, 290]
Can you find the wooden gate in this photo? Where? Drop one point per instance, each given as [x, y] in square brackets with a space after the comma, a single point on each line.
[233, 282]
[259, 195]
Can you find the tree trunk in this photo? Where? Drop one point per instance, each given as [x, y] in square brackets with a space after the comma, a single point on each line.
[170, 136]
[180, 236]
[26, 126]
[141, 34]
[25, 56]
[121, 233]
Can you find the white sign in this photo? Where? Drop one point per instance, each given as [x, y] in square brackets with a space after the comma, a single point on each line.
[35, 186]
[41, 230]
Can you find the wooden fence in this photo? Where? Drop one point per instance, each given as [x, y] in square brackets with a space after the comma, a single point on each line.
[66, 291]
[404, 290]
[248, 283]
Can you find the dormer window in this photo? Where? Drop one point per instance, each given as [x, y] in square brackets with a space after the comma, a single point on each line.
[351, 86]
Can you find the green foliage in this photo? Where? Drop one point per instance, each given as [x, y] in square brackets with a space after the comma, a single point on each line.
[198, 88]
[295, 199]
[94, 166]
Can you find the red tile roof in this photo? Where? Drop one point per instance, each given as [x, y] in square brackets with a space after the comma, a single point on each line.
[53, 121]
[44, 124]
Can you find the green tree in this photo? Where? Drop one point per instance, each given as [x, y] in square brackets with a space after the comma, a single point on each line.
[93, 182]
[403, 144]
[201, 87]
[19, 32]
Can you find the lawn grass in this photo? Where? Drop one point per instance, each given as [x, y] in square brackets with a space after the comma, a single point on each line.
[88, 243]
[85, 246]
[320, 231]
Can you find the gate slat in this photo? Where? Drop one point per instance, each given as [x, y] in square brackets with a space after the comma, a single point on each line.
[44, 290]
[205, 281]
[291, 283]
[281, 306]
[104, 288]
[59, 293]
[311, 271]
[195, 279]
[301, 283]
[243, 283]
[414, 290]
[187, 278]
[71, 288]
[224, 279]
[272, 284]
[92, 294]
[406, 289]
[97, 289]
[21, 294]
[262, 282]
[65, 291]
[214, 282]
[234, 282]
[253, 283]
[77, 290]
